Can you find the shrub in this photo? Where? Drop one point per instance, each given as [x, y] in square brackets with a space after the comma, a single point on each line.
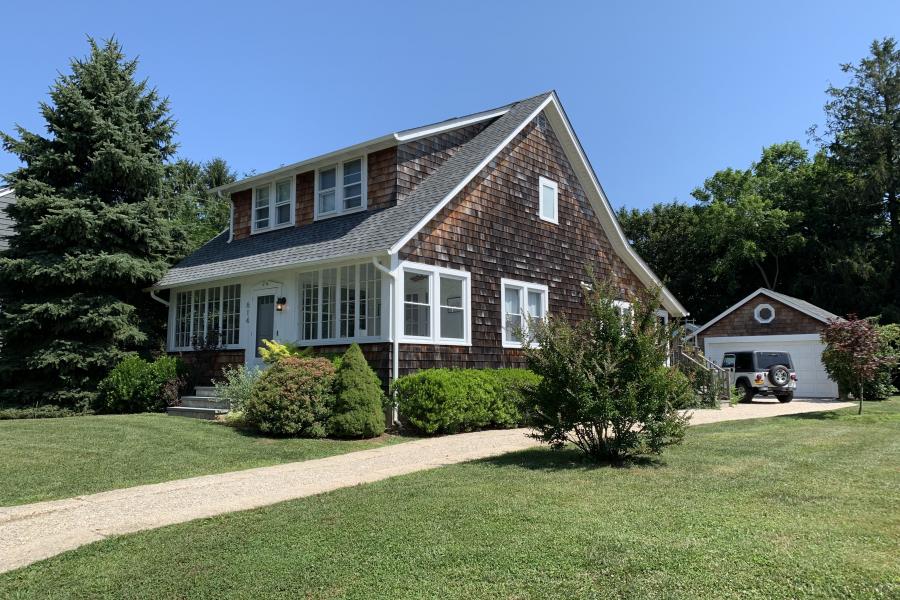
[294, 397]
[272, 351]
[359, 400]
[44, 411]
[135, 385]
[605, 386]
[855, 355]
[236, 385]
[452, 401]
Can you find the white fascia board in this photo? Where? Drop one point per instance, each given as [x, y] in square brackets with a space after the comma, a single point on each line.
[409, 135]
[6, 191]
[472, 174]
[760, 339]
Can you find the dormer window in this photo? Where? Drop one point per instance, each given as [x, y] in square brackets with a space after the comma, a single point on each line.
[273, 205]
[341, 188]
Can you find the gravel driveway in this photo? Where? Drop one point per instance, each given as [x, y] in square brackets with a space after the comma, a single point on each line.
[32, 532]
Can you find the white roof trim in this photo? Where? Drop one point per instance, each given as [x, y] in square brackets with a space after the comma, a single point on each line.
[767, 292]
[6, 191]
[595, 193]
[373, 145]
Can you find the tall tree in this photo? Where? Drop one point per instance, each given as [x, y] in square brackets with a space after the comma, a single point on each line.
[863, 122]
[202, 215]
[90, 234]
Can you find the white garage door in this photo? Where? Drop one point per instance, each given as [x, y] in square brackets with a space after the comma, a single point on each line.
[806, 352]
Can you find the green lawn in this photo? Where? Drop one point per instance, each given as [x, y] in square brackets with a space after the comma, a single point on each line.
[44, 459]
[792, 507]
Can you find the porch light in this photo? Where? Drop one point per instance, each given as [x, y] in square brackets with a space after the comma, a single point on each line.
[280, 304]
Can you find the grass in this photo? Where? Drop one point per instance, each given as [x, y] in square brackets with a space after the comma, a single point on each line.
[799, 507]
[45, 459]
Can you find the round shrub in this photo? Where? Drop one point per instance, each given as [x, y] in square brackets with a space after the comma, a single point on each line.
[359, 400]
[135, 385]
[293, 398]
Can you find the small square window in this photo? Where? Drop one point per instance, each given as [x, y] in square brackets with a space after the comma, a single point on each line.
[549, 200]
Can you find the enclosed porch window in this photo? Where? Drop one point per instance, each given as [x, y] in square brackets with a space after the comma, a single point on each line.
[341, 303]
[210, 314]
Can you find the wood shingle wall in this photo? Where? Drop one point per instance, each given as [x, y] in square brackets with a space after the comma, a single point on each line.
[741, 322]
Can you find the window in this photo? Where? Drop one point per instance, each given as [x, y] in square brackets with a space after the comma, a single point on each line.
[341, 188]
[764, 313]
[273, 205]
[208, 315]
[435, 305]
[549, 198]
[339, 304]
[520, 301]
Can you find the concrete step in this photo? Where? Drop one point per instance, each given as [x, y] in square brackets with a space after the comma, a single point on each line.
[205, 391]
[195, 413]
[203, 402]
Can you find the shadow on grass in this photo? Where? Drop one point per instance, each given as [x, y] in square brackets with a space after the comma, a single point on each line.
[548, 459]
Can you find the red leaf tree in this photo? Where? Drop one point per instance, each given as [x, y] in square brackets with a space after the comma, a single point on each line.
[851, 355]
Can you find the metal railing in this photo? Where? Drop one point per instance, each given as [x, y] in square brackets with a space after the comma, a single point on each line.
[711, 381]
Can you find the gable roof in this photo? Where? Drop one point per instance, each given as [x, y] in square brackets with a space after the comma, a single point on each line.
[7, 197]
[820, 314]
[387, 230]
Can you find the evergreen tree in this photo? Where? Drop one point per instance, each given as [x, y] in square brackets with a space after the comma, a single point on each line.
[359, 400]
[90, 232]
[202, 215]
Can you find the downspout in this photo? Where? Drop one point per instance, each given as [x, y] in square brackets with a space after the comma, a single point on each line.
[158, 299]
[395, 339]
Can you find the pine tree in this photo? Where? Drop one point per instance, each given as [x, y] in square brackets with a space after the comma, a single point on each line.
[90, 232]
[358, 409]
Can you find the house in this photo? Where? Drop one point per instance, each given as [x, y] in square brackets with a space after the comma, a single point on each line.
[7, 197]
[770, 321]
[427, 246]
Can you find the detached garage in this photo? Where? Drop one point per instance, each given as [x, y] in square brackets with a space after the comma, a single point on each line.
[769, 321]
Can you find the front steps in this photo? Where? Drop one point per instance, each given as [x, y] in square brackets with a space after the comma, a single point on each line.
[203, 405]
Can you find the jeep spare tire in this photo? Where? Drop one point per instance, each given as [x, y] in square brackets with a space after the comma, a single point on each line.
[779, 375]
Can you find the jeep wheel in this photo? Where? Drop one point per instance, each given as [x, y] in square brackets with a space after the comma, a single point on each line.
[745, 390]
[785, 398]
[779, 376]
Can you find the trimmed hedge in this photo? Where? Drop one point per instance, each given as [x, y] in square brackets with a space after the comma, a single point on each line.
[359, 400]
[294, 397]
[457, 400]
[135, 385]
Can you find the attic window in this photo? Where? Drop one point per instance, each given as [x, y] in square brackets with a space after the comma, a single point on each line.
[549, 199]
[341, 188]
[764, 313]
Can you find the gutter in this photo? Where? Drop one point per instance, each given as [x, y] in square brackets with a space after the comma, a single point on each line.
[158, 299]
[395, 339]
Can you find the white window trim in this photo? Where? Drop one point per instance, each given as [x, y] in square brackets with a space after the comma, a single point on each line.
[434, 298]
[174, 304]
[339, 188]
[543, 181]
[336, 307]
[759, 308]
[271, 185]
[524, 288]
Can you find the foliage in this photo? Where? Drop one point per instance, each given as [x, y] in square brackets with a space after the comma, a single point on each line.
[272, 351]
[236, 385]
[46, 411]
[457, 400]
[90, 233]
[359, 399]
[885, 381]
[200, 214]
[705, 382]
[853, 354]
[605, 386]
[293, 397]
[135, 385]
[822, 225]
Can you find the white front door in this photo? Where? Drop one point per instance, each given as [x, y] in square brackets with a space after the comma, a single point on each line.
[263, 322]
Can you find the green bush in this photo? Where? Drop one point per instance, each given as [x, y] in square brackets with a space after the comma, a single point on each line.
[236, 385]
[135, 385]
[294, 397]
[44, 411]
[452, 401]
[359, 400]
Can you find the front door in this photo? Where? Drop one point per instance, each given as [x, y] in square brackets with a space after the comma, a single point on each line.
[265, 320]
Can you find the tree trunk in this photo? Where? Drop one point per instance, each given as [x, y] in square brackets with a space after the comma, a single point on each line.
[860, 399]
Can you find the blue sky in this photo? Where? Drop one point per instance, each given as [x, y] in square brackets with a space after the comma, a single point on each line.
[661, 94]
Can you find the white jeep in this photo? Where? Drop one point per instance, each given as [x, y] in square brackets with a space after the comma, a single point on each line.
[757, 373]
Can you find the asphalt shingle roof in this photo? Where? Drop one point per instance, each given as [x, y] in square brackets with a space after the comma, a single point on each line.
[804, 306]
[359, 234]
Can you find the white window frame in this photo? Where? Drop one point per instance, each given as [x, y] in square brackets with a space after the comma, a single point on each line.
[191, 318]
[543, 181]
[434, 301]
[335, 305]
[339, 188]
[523, 288]
[757, 313]
[271, 185]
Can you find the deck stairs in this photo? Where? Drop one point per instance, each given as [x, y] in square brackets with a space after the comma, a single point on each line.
[204, 404]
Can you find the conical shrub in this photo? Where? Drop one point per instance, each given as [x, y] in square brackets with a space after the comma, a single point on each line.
[359, 406]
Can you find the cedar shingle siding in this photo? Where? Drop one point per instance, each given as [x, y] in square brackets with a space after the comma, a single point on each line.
[6, 222]
[741, 322]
